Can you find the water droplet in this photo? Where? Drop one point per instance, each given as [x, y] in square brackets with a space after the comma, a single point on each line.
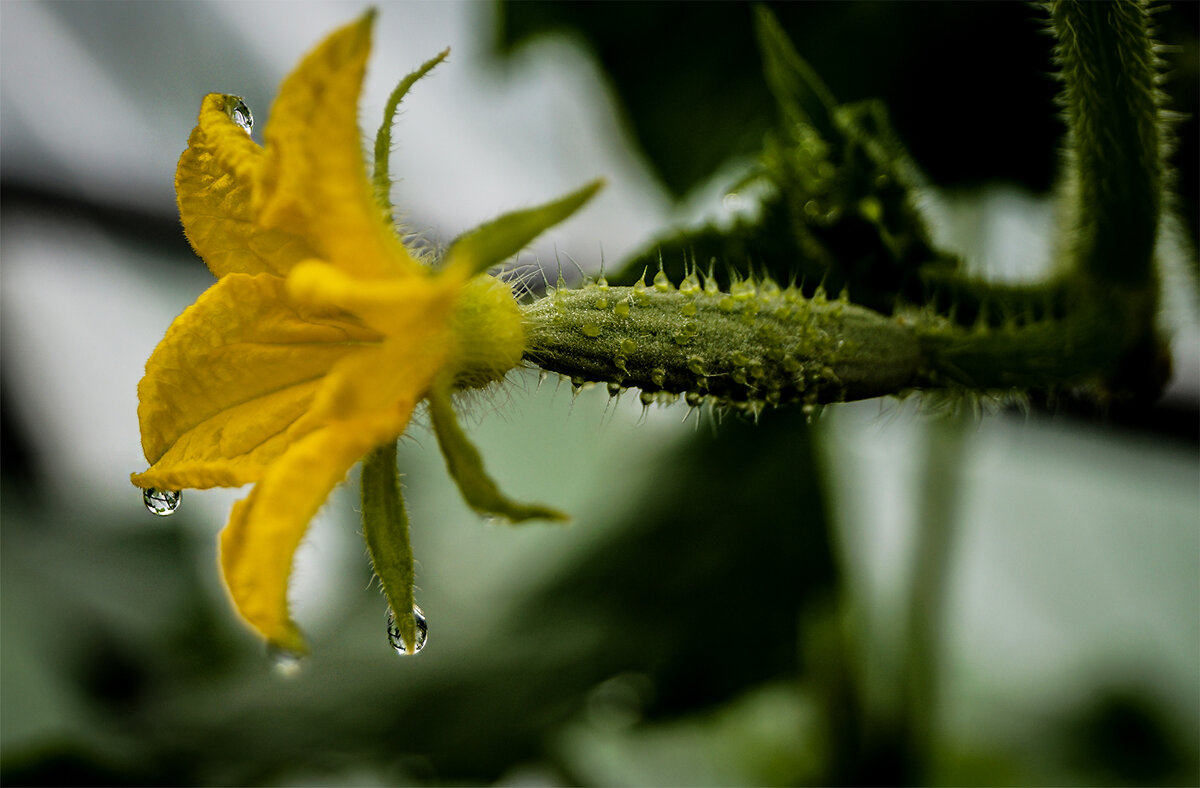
[285, 663]
[578, 383]
[239, 113]
[614, 389]
[397, 640]
[161, 502]
[647, 398]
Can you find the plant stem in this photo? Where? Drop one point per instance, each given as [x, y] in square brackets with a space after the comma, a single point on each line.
[938, 514]
[385, 526]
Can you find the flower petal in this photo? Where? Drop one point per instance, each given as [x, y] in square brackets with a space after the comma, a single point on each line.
[215, 182]
[378, 382]
[394, 307]
[314, 178]
[265, 528]
[232, 375]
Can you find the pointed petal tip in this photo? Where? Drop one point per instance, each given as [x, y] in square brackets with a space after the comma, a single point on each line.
[288, 640]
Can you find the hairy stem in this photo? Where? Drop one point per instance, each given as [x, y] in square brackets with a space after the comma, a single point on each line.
[1111, 102]
[385, 527]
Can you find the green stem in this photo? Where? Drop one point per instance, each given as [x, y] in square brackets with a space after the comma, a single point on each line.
[1109, 73]
[756, 344]
[920, 699]
[381, 180]
[385, 527]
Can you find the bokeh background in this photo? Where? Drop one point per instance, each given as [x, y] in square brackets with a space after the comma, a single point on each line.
[728, 605]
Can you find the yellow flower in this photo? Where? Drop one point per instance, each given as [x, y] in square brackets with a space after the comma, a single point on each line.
[322, 332]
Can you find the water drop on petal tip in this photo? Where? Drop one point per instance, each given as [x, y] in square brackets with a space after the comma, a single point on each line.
[240, 114]
[161, 502]
[397, 640]
[285, 663]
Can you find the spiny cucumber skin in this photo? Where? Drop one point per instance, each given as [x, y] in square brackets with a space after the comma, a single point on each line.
[755, 344]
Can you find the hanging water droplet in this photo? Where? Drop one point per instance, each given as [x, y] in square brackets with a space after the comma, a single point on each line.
[397, 640]
[285, 663]
[239, 113]
[161, 502]
[614, 389]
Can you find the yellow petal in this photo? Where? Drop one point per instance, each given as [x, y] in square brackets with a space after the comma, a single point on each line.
[314, 178]
[378, 383]
[395, 307]
[233, 373]
[214, 183]
[265, 528]
[365, 401]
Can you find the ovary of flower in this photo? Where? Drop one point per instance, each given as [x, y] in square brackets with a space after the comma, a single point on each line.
[322, 332]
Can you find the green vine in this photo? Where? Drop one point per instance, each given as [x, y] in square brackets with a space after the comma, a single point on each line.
[840, 215]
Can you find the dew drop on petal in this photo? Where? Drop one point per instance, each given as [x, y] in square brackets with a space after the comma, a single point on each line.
[239, 113]
[397, 640]
[285, 663]
[161, 502]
